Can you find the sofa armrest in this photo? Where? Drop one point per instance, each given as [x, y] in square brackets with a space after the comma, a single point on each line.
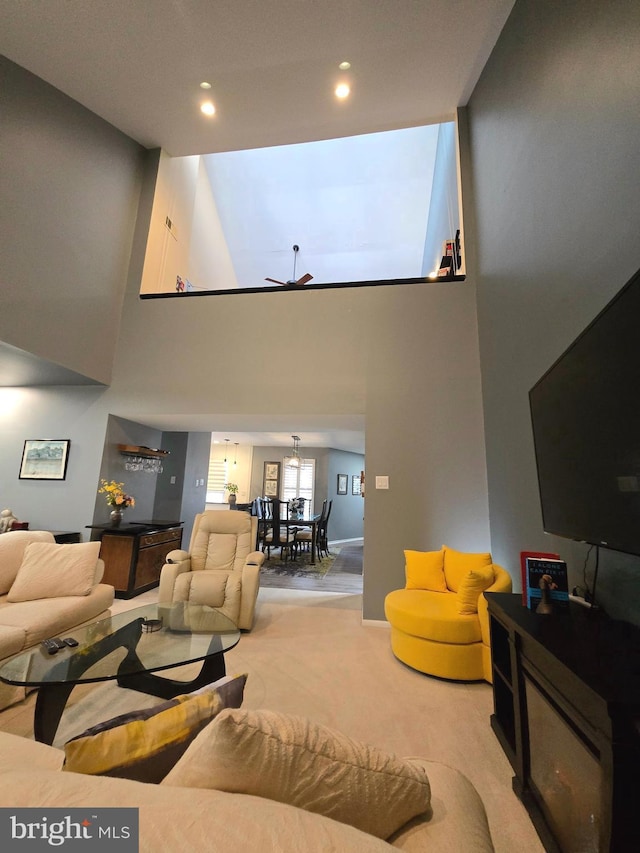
[178, 562]
[255, 558]
[250, 588]
[99, 574]
[18, 753]
[177, 556]
[502, 583]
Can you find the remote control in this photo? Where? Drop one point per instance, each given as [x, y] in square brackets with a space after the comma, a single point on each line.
[51, 646]
[70, 641]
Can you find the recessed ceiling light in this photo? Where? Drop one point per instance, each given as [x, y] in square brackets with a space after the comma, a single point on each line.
[207, 108]
[344, 66]
[205, 85]
[342, 90]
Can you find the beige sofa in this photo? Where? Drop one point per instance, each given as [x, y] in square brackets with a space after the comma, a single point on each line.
[26, 623]
[195, 818]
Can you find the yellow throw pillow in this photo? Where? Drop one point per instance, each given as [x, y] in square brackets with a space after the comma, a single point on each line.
[473, 585]
[144, 745]
[293, 760]
[457, 564]
[49, 570]
[425, 570]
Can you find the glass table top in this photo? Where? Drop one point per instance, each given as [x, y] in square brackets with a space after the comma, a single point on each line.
[143, 639]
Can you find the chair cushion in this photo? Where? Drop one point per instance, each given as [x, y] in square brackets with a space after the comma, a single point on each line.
[431, 615]
[472, 585]
[294, 760]
[222, 540]
[144, 745]
[425, 570]
[458, 563]
[49, 570]
[12, 640]
[222, 590]
[12, 546]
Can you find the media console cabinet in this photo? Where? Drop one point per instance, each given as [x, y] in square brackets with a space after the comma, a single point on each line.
[134, 554]
[566, 689]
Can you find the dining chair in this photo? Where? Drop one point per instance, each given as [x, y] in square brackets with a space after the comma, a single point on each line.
[304, 535]
[322, 543]
[278, 535]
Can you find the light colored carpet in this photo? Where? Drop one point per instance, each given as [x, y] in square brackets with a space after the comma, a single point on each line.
[309, 654]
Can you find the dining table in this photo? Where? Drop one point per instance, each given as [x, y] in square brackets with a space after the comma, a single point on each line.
[292, 523]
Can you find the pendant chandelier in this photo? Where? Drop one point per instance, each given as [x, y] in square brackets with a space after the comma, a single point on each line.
[294, 459]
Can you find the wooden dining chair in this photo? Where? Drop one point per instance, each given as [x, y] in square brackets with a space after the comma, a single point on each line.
[278, 535]
[304, 535]
[322, 542]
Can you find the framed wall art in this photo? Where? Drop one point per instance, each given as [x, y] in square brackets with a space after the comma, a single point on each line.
[44, 459]
[355, 484]
[343, 481]
[271, 479]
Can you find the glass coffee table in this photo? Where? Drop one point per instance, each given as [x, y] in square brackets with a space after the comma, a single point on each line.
[129, 647]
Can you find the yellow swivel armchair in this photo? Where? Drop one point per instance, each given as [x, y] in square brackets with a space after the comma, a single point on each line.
[439, 621]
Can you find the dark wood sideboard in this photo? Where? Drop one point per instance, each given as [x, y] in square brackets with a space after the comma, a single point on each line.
[566, 690]
[134, 554]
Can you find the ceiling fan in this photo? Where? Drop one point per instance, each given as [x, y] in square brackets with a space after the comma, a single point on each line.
[293, 282]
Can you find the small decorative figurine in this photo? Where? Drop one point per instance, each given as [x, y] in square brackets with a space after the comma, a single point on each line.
[6, 520]
[546, 585]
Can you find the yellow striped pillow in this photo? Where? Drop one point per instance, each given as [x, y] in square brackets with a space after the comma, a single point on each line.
[144, 745]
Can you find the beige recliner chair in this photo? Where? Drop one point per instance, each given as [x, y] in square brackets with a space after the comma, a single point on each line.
[221, 568]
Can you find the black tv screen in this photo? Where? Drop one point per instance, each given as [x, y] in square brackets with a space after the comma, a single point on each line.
[585, 413]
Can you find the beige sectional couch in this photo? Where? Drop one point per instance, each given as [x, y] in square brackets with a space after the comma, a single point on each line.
[26, 623]
[173, 817]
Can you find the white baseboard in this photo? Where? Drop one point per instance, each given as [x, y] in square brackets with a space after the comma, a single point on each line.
[376, 623]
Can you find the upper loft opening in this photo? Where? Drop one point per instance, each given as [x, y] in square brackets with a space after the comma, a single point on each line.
[369, 209]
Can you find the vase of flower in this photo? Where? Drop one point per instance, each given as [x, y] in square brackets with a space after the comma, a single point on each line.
[232, 488]
[116, 498]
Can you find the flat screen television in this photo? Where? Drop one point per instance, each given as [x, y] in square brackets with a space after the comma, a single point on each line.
[585, 413]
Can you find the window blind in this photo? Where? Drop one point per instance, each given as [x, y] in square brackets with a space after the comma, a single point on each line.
[299, 482]
[216, 479]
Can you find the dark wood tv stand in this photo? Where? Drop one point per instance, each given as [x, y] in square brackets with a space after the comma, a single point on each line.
[567, 713]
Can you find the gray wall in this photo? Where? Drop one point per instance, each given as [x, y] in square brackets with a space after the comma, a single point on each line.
[555, 145]
[69, 186]
[196, 467]
[347, 511]
[406, 358]
[140, 484]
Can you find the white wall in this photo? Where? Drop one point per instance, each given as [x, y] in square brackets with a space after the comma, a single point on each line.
[194, 247]
[357, 207]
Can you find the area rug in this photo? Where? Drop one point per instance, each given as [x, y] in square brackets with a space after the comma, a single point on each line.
[349, 559]
[300, 567]
[301, 575]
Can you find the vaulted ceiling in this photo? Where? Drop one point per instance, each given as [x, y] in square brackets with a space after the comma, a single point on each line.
[272, 66]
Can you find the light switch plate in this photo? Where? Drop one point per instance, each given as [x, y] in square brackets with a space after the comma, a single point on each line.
[382, 482]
